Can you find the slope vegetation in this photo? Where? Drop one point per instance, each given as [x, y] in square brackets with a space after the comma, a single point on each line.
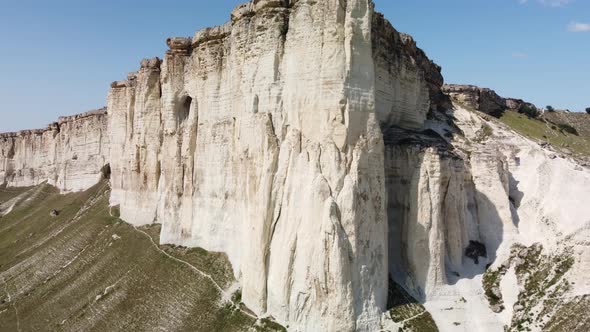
[553, 130]
[86, 270]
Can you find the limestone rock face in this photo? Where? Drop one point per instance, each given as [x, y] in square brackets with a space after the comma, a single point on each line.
[462, 181]
[69, 154]
[477, 182]
[515, 104]
[262, 140]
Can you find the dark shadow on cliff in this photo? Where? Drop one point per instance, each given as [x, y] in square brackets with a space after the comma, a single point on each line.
[480, 223]
[481, 248]
[515, 196]
[400, 166]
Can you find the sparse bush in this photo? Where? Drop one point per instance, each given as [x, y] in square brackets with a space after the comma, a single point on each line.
[236, 297]
[567, 129]
[484, 133]
[550, 108]
[588, 110]
[530, 111]
[269, 325]
[491, 286]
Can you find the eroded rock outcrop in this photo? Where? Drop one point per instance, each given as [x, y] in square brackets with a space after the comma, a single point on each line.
[484, 100]
[69, 153]
[408, 84]
[259, 138]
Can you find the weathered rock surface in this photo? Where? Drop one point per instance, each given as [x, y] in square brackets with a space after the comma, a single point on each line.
[408, 84]
[68, 154]
[440, 201]
[482, 99]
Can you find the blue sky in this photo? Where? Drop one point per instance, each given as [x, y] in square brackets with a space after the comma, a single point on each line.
[58, 57]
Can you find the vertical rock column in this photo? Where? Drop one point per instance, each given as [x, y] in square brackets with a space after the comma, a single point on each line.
[429, 218]
[180, 128]
[134, 108]
[265, 145]
[327, 266]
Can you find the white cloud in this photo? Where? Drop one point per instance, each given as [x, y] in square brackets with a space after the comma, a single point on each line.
[579, 27]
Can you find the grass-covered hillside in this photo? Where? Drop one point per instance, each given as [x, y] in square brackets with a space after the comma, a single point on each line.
[561, 135]
[86, 270]
[580, 121]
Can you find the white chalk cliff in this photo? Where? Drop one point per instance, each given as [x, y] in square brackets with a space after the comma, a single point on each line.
[311, 143]
[68, 154]
[261, 139]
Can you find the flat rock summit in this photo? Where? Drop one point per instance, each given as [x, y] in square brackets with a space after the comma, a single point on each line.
[319, 150]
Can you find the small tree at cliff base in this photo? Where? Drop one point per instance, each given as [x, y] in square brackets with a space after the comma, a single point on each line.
[588, 110]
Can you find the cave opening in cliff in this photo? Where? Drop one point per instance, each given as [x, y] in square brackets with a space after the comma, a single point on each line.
[105, 171]
[185, 109]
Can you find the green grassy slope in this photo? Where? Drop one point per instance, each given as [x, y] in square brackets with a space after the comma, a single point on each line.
[546, 131]
[87, 271]
[405, 310]
[7, 193]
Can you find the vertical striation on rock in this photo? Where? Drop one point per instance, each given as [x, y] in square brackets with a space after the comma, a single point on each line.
[440, 203]
[134, 108]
